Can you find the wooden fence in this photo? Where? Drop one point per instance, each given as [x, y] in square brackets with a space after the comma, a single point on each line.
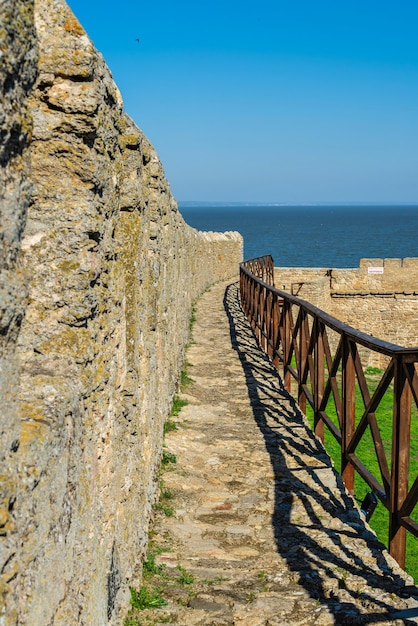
[333, 385]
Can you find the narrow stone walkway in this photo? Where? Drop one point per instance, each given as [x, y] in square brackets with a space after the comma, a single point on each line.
[261, 531]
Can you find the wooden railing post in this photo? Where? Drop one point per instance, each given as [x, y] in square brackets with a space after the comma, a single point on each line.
[287, 332]
[260, 318]
[266, 324]
[401, 435]
[319, 378]
[269, 324]
[254, 305]
[348, 413]
[275, 331]
[303, 353]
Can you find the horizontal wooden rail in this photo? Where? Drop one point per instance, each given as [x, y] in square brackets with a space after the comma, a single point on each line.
[325, 359]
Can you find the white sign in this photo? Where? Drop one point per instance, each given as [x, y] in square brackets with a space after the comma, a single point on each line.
[375, 270]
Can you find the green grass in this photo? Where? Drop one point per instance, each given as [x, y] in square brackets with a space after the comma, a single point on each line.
[130, 621]
[149, 595]
[178, 404]
[185, 578]
[150, 566]
[167, 510]
[366, 453]
[146, 598]
[158, 581]
[165, 492]
[192, 318]
[169, 426]
[164, 502]
[167, 458]
[185, 379]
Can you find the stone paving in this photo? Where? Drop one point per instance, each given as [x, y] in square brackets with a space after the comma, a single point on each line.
[262, 532]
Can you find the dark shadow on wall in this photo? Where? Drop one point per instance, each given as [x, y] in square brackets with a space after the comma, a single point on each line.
[325, 568]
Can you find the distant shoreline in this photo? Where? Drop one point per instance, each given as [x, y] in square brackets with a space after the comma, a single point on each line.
[220, 204]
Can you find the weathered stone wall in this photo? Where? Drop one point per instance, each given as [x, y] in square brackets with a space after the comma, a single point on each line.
[380, 297]
[111, 271]
[17, 74]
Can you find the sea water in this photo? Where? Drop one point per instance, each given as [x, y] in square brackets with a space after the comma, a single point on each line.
[314, 236]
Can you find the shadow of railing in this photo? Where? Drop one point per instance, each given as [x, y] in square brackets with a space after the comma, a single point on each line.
[335, 570]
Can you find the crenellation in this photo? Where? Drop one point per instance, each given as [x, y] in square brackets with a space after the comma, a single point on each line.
[392, 264]
[365, 263]
[410, 263]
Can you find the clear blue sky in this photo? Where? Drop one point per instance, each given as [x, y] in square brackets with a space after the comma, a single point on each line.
[270, 100]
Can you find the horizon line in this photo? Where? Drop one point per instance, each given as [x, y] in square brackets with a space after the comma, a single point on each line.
[301, 204]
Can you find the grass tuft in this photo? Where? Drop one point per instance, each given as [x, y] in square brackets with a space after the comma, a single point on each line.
[146, 598]
[168, 457]
[185, 379]
[178, 404]
[192, 318]
[150, 566]
[185, 578]
[167, 510]
[169, 426]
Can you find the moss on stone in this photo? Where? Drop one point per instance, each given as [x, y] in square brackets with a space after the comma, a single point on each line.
[73, 26]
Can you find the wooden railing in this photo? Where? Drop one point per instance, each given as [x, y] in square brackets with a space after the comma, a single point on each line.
[324, 358]
[262, 267]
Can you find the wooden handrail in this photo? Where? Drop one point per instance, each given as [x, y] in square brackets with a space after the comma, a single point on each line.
[295, 335]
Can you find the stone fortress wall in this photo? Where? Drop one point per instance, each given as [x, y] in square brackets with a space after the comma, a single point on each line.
[18, 59]
[380, 297]
[98, 275]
